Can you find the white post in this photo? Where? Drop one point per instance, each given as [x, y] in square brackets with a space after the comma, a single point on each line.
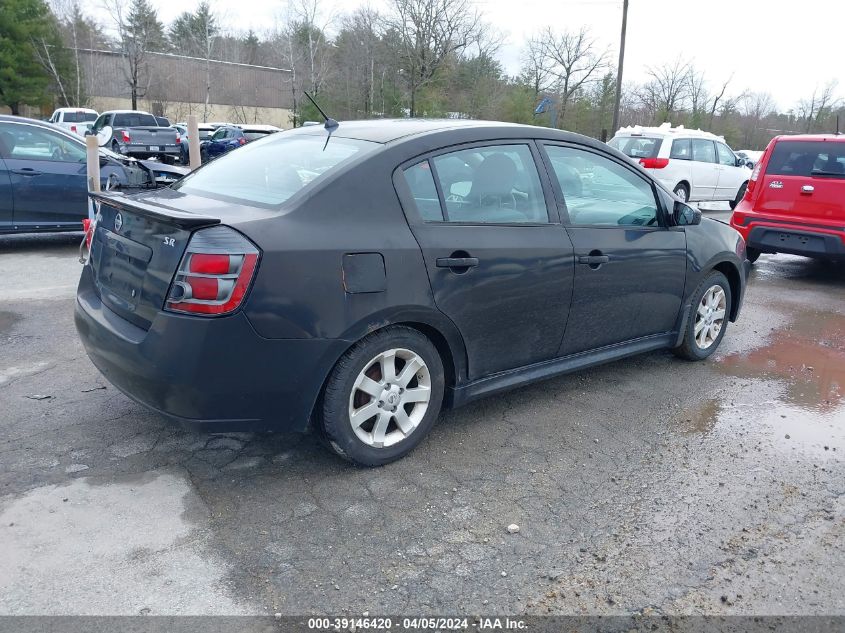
[93, 151]
[194, 159]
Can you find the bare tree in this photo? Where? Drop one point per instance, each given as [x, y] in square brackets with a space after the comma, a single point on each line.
[754, 106]
[667, 89]
[818, 106]
[431, 32]
[699, 97]
[714, 104]
[536, 67]
[575, 62]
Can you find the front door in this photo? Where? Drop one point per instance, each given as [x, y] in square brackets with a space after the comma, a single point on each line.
[47, 172]
[731, 177]
[703, 169]
[630, 269]
[499, 267]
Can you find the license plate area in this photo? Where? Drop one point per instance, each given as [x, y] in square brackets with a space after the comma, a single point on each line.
[156, 148]
[121, 266]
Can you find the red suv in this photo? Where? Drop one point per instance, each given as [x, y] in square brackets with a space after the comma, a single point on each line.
[795, 201]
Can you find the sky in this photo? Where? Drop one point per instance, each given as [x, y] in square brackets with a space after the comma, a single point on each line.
[783, 47]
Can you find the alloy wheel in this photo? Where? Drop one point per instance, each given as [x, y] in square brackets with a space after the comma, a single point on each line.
[710, 316]
[390, 397]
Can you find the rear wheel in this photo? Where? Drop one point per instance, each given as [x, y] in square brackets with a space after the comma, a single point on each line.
[739, 195]
[751, 254]
[383, 397]
[706, 325]
[682, 191]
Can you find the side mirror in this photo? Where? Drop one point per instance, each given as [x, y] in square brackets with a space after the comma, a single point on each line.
[685, 215]
[740, 161]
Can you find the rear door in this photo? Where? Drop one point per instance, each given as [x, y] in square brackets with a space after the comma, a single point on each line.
[804, 179]
[499, 263]
[703, 169]
[47, 172]
[630, 269]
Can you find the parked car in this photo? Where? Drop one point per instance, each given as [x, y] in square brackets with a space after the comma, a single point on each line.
[795, 201]
[696, 166]
[137, 134]
[205, 131]
[43, 176]
[362, 280]
[229, 137]
[749, 156]
[77, 120]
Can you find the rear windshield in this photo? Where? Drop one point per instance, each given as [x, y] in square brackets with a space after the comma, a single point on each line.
[272, 169]
[133, 119]
[79, 117]
[637, 146]
[807, 158]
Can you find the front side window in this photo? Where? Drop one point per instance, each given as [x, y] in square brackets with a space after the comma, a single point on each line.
[494, 184]
[220, 133]
[726, 156]
[681, 149]
[703, 150]
[599, 191]
[28, 142]
[100, 123]
[271, 170]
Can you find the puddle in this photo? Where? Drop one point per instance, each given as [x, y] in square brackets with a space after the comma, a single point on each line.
[808, 356]
[804, 409]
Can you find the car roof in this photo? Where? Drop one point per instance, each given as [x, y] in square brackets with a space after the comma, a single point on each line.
[389, 130]
[10, 118]
[666, 130]
[127, 112]
[75, 110]
[259, 127]
[834, 138]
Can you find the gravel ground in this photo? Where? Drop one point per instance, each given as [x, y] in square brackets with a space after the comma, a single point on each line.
[650, 485]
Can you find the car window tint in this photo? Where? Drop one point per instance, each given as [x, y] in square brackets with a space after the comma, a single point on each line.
[270, 170]
[637, 146]
[703, 151]
[134, 119]
[494, 184]
[421, 183]
[29, 142]
[807, 158]
[599, 191]
[681, 149]
[726, 156]
[78, 117]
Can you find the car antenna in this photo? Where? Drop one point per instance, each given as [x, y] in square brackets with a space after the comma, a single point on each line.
[331, 125]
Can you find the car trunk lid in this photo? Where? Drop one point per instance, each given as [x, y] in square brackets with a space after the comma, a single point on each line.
[804, 179]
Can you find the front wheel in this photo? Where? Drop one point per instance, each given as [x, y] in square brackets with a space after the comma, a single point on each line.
[682, 192]
[382, 397]
[706, 325]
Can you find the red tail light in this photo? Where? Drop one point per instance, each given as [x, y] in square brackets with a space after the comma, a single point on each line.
[214, 274]
[178, 139]
[88, 227]
[755, 174]
[73, 128]
[242, 141]
[654, 163]
[125, 136]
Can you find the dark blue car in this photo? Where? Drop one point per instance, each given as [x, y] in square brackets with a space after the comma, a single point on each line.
[229, 137]
[43, 176]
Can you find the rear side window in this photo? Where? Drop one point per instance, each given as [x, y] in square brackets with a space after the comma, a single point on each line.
[134, 119]
[421, 183]
[681, 149]
[807, 158]
[271, 170]
[637, 146]
[703, 151]
[492, 185]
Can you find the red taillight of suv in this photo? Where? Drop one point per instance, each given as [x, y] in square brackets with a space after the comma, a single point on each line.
[214, 274]
[654, 163]
[126, 138]
[755, 174]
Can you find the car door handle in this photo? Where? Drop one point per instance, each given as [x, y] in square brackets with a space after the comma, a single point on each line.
[808, 189]
[26, 171]
[593, 260]
[457, 262]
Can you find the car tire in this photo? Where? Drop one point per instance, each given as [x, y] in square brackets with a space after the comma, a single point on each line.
[371, 378]
[703, 330]
[739, 195]
[682, 191]
[183, 156]
[751, 254]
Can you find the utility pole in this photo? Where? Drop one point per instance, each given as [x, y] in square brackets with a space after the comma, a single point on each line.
[619, 69]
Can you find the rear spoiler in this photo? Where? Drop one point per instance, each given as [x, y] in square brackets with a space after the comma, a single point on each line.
[181, 219]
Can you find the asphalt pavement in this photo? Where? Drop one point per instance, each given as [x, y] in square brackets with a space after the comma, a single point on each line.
[650, 485]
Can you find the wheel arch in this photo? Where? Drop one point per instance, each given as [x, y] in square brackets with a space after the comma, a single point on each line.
[686, 185]
[732, 273]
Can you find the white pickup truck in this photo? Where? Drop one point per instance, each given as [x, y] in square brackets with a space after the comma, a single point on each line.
[77, 120]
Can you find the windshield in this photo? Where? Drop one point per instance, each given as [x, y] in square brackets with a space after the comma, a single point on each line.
[134, 119]
[637, 146]
[271, 170]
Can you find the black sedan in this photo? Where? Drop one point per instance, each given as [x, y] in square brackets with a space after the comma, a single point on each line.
[43, 176]
[359, 281]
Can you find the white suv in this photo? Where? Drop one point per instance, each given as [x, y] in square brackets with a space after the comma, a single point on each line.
[695, 165]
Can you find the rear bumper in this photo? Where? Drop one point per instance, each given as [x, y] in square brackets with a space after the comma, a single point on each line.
[143, 151]
[770, 235]
[209, 374]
